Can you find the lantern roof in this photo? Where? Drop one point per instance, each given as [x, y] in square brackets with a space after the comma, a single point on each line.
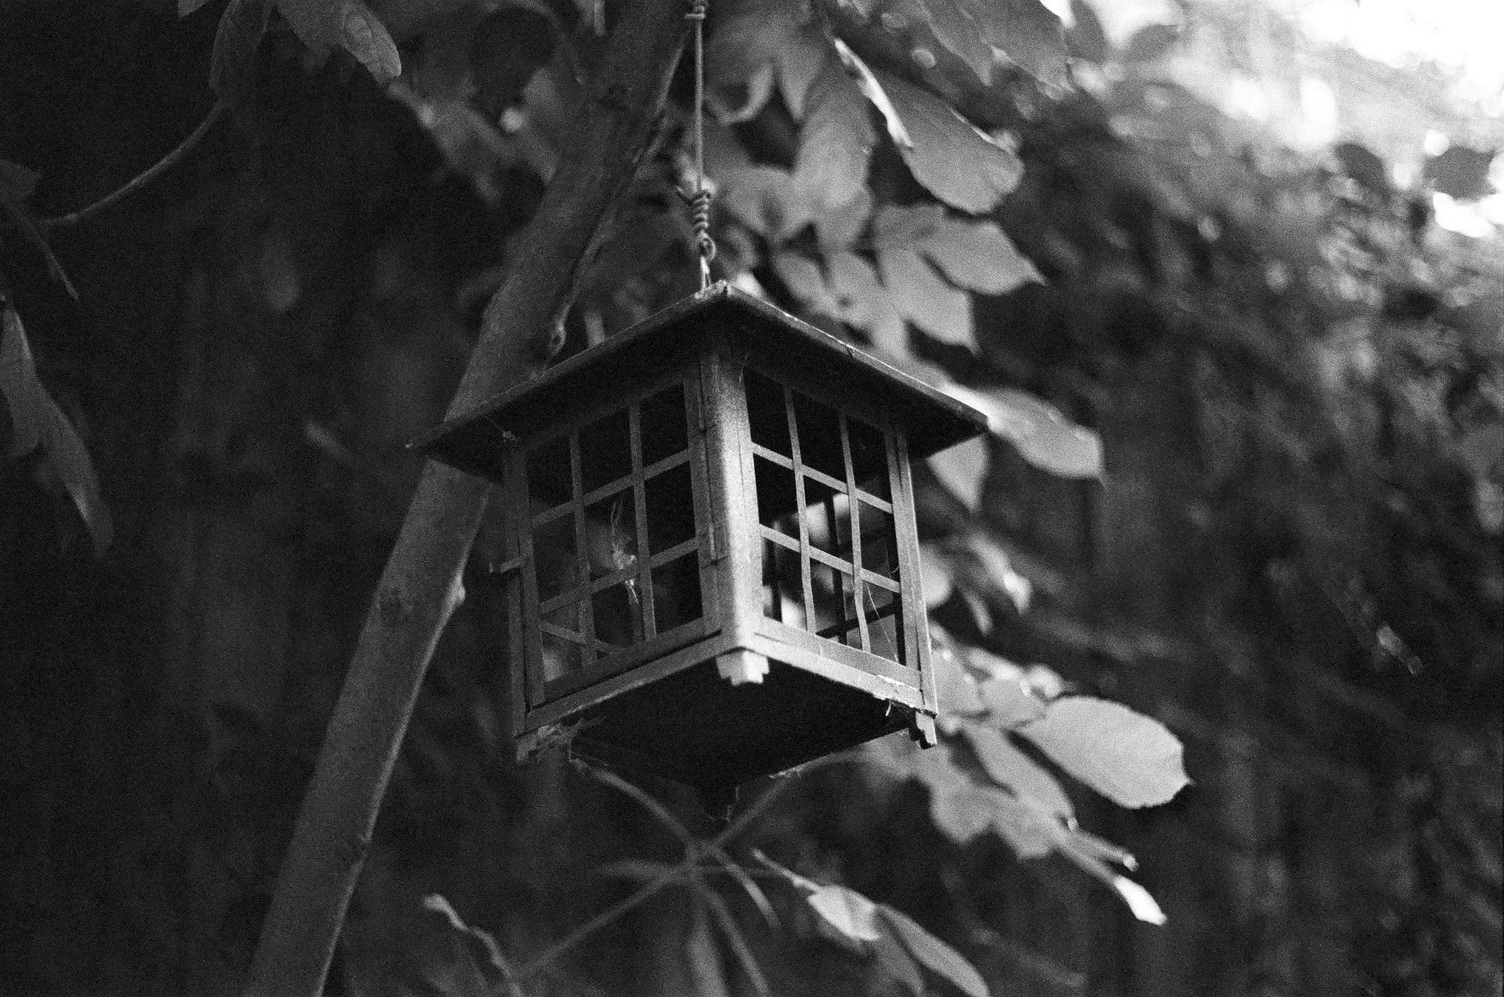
[931, 419]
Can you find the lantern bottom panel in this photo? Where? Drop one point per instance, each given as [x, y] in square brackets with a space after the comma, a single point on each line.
[695, 727]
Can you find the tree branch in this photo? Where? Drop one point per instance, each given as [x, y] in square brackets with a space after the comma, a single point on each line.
[162, 166]
[421, 584]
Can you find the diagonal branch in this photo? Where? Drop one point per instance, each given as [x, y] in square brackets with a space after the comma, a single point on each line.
[162, 165]
[420, 587]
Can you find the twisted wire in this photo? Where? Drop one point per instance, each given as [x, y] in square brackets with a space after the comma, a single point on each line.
[699, 199]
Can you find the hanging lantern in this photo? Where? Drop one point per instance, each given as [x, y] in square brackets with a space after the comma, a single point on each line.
[712, 571]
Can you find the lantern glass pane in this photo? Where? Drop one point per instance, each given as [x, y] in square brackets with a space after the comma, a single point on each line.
[829, 525]
[671, 509]
[775, 495]
[665, 430]
[617, 613]
[563, 652]
[766, 413]
[611, 531]
[555, 557]
[829, 541]
[549, 479]
[869, 456]
[782, 588]
[605, 451]
[819, 431]
[835, 616]
[879, 543]
[880, 607]
[676, 593]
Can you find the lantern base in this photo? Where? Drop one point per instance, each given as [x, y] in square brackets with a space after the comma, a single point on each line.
[696, 727]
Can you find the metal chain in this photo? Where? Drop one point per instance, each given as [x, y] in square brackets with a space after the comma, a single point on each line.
[699, 199]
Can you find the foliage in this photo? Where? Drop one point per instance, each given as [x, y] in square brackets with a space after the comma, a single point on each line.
[937, 180]
[37, 425]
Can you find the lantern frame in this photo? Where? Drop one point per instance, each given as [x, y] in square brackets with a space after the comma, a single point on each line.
[699, 701]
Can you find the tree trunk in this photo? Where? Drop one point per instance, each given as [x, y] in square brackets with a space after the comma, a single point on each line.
[421, 584]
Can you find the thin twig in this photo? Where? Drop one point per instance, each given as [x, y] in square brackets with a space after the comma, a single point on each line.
[678, 872]
[738, 941]
[693, 849]
[166, 163]
[598, 922]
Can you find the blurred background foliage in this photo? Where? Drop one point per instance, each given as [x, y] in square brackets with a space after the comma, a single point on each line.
[1227, 278]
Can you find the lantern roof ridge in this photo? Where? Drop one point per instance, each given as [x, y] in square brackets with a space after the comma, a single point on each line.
[932, 419]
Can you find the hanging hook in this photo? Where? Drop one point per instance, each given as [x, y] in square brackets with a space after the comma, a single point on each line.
[699, 199]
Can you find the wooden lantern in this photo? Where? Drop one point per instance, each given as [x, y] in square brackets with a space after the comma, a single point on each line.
[712, 571]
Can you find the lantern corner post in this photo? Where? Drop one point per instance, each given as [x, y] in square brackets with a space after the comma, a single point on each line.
[912, 613]
[733, 514]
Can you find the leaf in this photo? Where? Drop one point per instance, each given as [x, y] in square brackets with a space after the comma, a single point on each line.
[16, 181]
[1030, 36]
[962, 812]
[1461, 172]
[962, 469]
[969, 810]
[893, 957]
[1139, 900]
[1024, 31]
[16, 185]
[803, 278]
[365, 37]
[960, 164]
[901, 227]
[934, 769]
[506, 49]
[1150, 43]
[37, 422]
[835, 142]
[1482, 448]
[994, 666]
[981, 612]
[800, 882]
[1085, 39]
[1131, 759]
[757, 40]
[186, 7]
[1362, 165]
[847, 911]
[935, 955]
[801, 56]
[977, 256]
[956, 690]
[766, 200]
[863, 302]
[923, 298]
[873, 91]
[1011, 703]
[999, 570]
[1011, 768]
[1042, 436]
[935, 578]
[232, 65]
[472, 147]
[837, 228]
[347, 24]
[956, 28]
